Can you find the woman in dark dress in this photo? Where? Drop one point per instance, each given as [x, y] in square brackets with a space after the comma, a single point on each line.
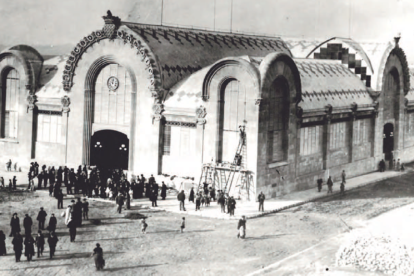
[17, 246]
[29, 247]
[191, 197]
[163, 191]
[3, 251]
[98, 257]
[15, 225]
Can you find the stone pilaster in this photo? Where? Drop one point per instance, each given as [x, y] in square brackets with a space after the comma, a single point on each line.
[65, 122]
[326, 137]
[87, 127]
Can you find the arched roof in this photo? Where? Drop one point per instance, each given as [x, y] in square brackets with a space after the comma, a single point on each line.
[181, 52]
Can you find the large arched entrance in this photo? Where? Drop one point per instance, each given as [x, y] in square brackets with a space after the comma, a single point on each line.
[388, 142]
[110, 149]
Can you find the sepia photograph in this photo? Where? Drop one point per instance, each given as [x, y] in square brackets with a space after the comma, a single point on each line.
[207, 137]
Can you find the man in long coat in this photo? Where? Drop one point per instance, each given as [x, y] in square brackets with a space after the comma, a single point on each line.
[119, 201]
[52, 223]
[29, 247]
[70, 223]
[27, 224]
[77, 209]
[17, 246]
[14, 225]
[52, 241]
[41, 217]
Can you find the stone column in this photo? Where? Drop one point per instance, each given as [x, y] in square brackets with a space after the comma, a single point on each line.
[87, 127]
[327, 137]
[65, 118]
[201, 113]
[28, 125]
[157, 137]
[351, 138]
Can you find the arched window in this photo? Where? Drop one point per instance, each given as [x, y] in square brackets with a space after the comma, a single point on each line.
[278, 121]
[232, 106]
[10, 104]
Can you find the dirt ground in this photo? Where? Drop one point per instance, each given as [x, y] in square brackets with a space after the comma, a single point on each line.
[208, 246]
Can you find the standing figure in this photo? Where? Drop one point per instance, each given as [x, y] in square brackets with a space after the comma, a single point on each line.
[319, 181]
[232, 206]
[70, 223]
[14, 183]
[329, 183]
[343, 176]
[144, 226]
[27, 224]
[9, 163]
[77, 209]
[128, 201]
[52, 241]
[213, 194]
[261, 199]
[59, 198]
[29, 247]
[342, 188]
[3, 251]
[40, 243]
[41, 217]
[17, 246]
[98, 257]
[191, 196]
[52, 223]
[397, 166]
[14, 225]
[221, 200]
[182, 226]
[241, 226]
[181, 199]
[85, 209]
[120, 202]
[198, 201]
[163, 191]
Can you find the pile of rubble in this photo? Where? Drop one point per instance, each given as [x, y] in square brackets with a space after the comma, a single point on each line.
[385, 254]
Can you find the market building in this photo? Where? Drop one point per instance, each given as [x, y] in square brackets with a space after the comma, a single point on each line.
[166, 100]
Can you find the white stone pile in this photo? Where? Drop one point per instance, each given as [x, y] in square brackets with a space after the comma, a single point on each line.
[384, 254]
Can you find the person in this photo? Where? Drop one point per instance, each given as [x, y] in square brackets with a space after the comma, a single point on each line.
[14, 183]
[397, 166]
[128, 201]
[10, 185]
[330, 184]
[342, 188]
[198, 201]
[59, 198]
[163, 191]
[52, 223]
[41, 217]
[40, 243]
[181, 199]
[27, 224]
[402, 167]
[85, 209]
[120, 202]
[9, 163]
[14, 225]
[232, 206]
[319, 181]
[29, 247]
[343, 176]
[144, 226]
[3, 251]
[98, 257]
[241, 226]
[77, 210]
[222, 201]
[182, 226]
[213, 194]
[2, 182]
[70, 223]
[261, 199]
[52, 241]
[17, 246]
[382, 165]
[151, 180]
[191, 196]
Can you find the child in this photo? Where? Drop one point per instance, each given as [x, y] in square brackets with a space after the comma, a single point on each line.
[143, 226]
[182, 225]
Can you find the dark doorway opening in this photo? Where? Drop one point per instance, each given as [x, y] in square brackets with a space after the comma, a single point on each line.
[110, 149]
[388, 143]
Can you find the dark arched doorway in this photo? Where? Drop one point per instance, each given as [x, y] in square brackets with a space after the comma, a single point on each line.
[388, 142]
[110, 149]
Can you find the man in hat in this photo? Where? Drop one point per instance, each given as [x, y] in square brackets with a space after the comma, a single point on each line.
[70, 223]
[59, 198]
[261, 199]
[41, 217]
[77, 209]
[52, 223]
[119, 201]
[52, 241]
[181, 199]
[241, 226]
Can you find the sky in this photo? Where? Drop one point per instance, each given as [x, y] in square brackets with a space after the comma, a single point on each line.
[57, 22]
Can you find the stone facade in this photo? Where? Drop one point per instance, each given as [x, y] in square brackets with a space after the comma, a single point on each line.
[182, 114]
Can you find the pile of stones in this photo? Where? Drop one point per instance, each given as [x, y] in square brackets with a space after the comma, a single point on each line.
[384, 254]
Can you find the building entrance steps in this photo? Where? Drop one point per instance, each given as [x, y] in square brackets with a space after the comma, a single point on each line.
[274, 205]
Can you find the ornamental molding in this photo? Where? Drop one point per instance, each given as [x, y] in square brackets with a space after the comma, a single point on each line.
[31, 100]
[110, 31]
[65, 101]
[201, 112]
[158, 108]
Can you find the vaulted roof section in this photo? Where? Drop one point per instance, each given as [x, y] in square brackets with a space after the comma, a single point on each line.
[181, 52]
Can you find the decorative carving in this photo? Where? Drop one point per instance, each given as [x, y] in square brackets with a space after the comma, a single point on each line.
[31, 100]
[158, 108]
[406, 71]
[113, 83]
[299, 112]
[201, 112]
[112, 24]
[328, 111]
[258, 101]
[28, 87]
[405, 102]
[65, 101]
[97, 36]
[397, 40]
